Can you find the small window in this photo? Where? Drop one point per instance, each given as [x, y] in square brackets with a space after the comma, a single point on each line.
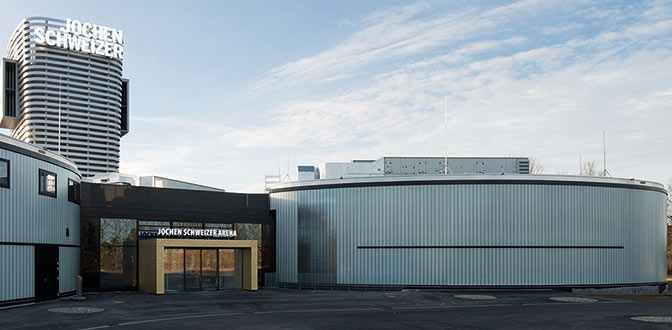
[4, 173]
[73, 191]
[47, 183]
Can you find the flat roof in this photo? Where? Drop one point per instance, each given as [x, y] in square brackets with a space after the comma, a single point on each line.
[410, 180]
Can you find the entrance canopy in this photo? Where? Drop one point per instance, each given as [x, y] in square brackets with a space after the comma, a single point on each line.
[151, 260]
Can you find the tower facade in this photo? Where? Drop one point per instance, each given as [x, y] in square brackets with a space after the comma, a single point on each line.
[62, 89]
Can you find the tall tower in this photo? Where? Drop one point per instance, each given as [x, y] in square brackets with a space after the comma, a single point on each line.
[62, 89]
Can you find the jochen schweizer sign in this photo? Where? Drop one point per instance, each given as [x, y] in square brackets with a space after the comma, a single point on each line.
[84, 37]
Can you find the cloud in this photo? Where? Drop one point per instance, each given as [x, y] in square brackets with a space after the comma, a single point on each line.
[542, 99]
[541, 78]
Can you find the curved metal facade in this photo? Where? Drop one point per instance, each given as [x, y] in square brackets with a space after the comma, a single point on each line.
[86, 88]
[478, 231]
[28, 219]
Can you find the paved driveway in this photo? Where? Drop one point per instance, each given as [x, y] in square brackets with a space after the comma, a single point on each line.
[324, 309]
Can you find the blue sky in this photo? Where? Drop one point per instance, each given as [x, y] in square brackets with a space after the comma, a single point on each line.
[220, 89]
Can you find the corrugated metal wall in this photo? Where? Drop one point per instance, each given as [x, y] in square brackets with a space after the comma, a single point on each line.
[17, 272]
[26, 217]
[286, 235]
[29, 217]
[321, 226]
[68, 260]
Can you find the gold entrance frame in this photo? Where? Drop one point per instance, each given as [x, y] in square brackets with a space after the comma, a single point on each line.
[150, 263]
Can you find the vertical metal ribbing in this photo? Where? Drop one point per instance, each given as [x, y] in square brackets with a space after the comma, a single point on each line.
[68, 259]
[33, 218]
[490, 214]
[17, 272]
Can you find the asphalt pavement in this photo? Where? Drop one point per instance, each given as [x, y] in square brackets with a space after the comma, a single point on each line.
[339, 309]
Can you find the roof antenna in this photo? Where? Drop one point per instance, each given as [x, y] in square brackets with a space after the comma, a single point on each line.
[580, 161]
[287, 178]
[604, 154]
[446, 169]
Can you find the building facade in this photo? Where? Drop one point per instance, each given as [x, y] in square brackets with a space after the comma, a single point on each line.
[386, 166]
[62, 89]
[470, 231]
[117, 218]
[39, 223]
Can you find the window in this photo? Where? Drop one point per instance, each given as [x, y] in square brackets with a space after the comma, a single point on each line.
[4, 173]
[47, 183]
[73, 191]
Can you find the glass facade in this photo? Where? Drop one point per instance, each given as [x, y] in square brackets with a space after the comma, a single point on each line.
[110, 253]
[188, 269]
[250, 231]
[118, 253]
[173, 269]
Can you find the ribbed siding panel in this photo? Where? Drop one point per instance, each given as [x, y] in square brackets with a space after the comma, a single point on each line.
[28, 217]
[473, 215]
[17, 272]
[286, 248]
[68, 259]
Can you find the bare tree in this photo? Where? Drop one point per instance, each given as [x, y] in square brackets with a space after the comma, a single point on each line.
[536, 166]
[590, 168]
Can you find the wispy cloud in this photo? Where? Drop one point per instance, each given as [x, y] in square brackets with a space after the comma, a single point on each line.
[519, 81]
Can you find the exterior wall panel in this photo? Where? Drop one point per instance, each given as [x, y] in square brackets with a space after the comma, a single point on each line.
[68, 259]
[472, 234]
[287, 247]
[29, 217]
[17, 272]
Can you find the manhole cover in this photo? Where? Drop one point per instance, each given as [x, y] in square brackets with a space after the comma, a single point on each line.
[655, 319]
[76, 310]
[475, 296]
[573, 299]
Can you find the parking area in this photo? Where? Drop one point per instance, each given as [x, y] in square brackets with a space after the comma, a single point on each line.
[339, 309]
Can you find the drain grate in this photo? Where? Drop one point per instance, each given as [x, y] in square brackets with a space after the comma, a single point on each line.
[76, 310]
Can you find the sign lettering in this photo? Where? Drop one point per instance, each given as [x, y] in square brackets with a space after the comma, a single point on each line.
[86, 37]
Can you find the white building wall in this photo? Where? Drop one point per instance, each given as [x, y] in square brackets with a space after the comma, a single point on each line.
[28, 219]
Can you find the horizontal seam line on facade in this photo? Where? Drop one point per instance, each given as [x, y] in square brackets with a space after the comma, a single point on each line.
[33, 244]
[467, 182]
[491, 247]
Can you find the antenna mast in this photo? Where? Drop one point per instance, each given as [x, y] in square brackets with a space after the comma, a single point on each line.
[287, 178]
[604, 154]
[580, 161]
[446, 169]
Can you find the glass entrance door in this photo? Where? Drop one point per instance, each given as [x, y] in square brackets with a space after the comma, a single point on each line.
[209, 269]
[173, 269]
[201, 269]
[226, 269]
[192, 269]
